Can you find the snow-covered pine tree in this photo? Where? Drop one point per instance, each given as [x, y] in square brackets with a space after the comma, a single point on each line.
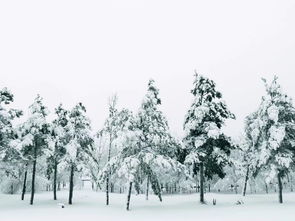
[276, 117]
[143, 155]
[58, 142]
[35, 132]
[208, 147]
[78, 138]
[8, 155]
[153, 127]
[7, 115]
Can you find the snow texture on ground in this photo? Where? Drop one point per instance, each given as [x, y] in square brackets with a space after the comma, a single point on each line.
[90, 206]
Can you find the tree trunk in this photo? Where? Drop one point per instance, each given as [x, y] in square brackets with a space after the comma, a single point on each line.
[246, 181]
[33, 176]
[160, 196]
[71, 187]
[54, 180]
[108, 175]
[24, 184]
[147, 188]
[266, 188]
[280, 188]
[129, 195]
[107, 190]
[202, 183]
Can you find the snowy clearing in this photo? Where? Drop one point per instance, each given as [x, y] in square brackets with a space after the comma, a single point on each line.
[90, 205]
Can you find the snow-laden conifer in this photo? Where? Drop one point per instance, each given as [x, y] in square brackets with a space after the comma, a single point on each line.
[208, 147]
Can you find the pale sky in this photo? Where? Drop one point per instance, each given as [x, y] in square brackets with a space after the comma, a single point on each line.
[72, 51]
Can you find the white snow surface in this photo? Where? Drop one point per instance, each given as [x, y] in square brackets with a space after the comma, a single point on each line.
[90, 206]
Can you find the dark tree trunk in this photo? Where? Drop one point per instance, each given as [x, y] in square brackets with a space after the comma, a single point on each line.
[202, 183]
[58, 186]
[71, 187]
[54, 180]
[147, 188]
[112, 187]
[246, 181]
[280, 188]
[24, 184]
[33, 176]
[107, 190]
[108, 175]
[129, 195]
[160, 196]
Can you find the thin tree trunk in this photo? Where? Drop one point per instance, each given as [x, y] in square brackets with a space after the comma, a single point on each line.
[160, 196]
[246, 181]
[147, 188]
[24, 184]
[108, 175]
[54, 180]
[71, 187]
[33, 175]
[107, 190]
[266, 188]
[129, 195]
[202, 183]
[280, 188]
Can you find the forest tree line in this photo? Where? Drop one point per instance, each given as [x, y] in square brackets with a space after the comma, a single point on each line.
[137, 153]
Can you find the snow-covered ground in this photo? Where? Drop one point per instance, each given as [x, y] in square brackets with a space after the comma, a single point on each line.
[90, 206]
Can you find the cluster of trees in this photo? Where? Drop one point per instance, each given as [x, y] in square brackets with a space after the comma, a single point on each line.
[136, 152]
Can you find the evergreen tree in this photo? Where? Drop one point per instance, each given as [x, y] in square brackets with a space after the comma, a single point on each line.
[35, 132]
[153, 127]
[275, 153]
[7, 133]
[208, 147]
[78, 139]
[58, 142]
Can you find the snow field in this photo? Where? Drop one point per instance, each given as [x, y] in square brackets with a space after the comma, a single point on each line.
[90, 206]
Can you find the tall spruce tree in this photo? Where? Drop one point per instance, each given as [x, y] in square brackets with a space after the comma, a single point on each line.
[208, 147]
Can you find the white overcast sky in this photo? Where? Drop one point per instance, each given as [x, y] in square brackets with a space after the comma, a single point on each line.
[71, 51]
